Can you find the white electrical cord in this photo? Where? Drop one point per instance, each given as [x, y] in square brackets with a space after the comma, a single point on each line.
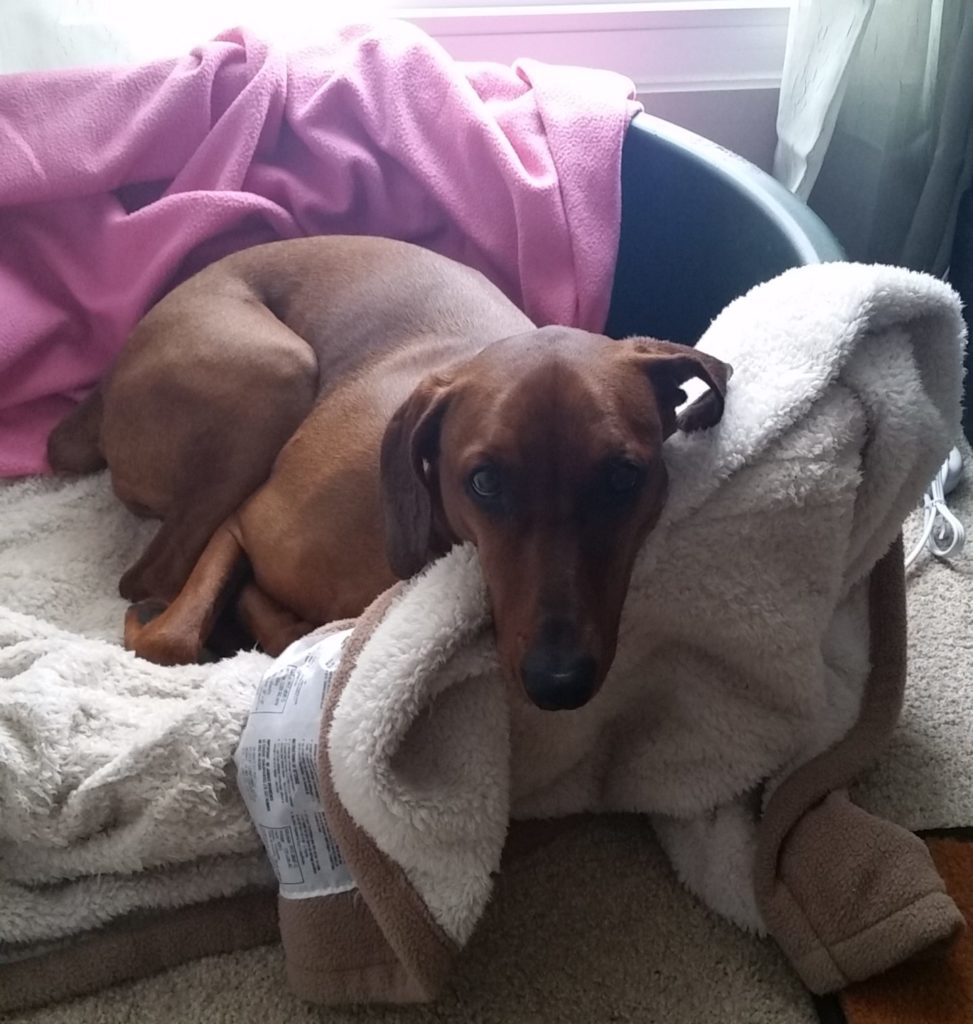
[942, 532]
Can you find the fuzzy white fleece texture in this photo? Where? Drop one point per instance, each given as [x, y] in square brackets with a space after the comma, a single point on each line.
[744, 641]
[116, 789]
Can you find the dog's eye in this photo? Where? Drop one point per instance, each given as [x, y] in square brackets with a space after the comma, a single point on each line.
[485, 482]
[624, 477]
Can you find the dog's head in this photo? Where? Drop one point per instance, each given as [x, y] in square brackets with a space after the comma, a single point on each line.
[545, 451]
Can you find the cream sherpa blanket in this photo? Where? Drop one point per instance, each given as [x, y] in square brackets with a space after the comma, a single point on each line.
[744, 652]
[115, 794]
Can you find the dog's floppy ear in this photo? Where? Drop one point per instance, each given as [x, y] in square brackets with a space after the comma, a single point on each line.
[668, 366]
[409, 486]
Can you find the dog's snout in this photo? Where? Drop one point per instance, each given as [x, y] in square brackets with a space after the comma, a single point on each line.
[558, 680]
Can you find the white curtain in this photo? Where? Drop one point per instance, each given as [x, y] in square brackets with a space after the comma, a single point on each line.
[876, 123]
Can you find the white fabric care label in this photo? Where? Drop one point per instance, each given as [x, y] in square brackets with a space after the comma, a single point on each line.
[277, 769]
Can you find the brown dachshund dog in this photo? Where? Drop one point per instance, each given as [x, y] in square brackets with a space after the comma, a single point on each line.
[280, 408]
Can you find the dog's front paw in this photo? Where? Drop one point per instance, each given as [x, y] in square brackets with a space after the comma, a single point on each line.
[150, 636]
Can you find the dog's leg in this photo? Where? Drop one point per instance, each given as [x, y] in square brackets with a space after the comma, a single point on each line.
[272, 625]
[178, 634]
[164, 566]
[191, 440]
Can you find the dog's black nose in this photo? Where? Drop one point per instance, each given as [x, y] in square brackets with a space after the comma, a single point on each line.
[558, 680]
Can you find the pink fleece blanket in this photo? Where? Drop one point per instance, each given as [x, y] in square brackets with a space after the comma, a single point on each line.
[117, 183]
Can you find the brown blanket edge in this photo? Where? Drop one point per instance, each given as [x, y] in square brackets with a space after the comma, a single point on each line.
[845, 894]
[139, 945]
[378, 943]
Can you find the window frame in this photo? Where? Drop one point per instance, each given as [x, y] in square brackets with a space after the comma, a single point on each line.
[662, 45]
